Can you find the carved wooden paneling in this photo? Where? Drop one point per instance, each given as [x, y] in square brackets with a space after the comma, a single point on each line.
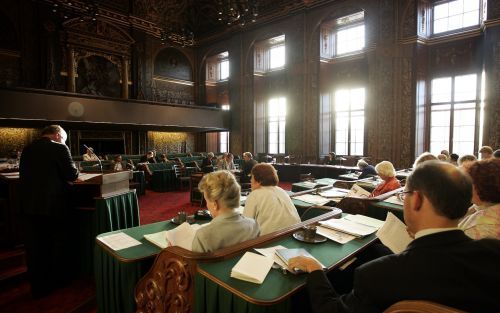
[408, 20]
[453, 57]
[100, 36]
[384, 102]
[169, 288]
[406, 141]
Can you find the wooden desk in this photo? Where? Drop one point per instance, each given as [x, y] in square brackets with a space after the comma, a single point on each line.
[277, 287]
[175, 282]
[10, 223]
[291, 172]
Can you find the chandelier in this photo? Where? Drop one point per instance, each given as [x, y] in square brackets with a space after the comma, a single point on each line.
[76, 9]
[240, 12]
[176, 34]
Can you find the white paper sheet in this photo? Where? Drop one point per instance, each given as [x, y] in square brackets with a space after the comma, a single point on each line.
[393, 234]
[119, 241]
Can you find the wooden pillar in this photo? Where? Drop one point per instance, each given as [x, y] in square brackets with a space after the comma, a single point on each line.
[124, 78]
[71, 70]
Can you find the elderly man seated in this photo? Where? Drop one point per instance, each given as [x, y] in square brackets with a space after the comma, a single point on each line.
[441, 264]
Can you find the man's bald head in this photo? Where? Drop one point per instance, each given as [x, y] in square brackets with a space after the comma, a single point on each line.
[447, 188]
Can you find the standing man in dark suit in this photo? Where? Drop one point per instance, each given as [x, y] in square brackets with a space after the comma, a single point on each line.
[46, 172]
[441, 264]
[248, 164]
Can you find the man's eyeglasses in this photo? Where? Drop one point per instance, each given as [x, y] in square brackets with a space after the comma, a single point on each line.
[402, 194]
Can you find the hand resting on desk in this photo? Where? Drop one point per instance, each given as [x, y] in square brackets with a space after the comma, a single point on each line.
[304, 263]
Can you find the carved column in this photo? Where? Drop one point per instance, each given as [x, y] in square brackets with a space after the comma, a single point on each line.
[71, 70]
[124, 78]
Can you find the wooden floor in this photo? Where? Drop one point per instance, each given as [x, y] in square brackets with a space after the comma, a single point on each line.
[78, 297]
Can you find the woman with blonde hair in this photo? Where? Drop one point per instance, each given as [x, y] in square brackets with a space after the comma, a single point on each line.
[228, 227]
[387, 173]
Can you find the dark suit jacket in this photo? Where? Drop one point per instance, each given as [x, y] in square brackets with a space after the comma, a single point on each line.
[45, 169]
[447, 268]
[206, 162]
[367, 171]
[247, 170]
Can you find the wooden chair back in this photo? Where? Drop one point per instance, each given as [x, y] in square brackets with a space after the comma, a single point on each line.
[420, 306]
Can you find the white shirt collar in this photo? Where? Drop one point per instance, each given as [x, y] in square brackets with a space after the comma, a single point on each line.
[430, 231]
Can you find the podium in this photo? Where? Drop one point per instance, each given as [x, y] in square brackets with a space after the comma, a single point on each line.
[106, 184]
[104, 203]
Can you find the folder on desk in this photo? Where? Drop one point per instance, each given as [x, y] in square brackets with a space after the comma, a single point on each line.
[252, 267]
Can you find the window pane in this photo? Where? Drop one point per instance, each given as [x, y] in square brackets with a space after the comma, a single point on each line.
[324, 124]
[440, 131]
[224, 70]
[224, 142]
[463, 130]
[342, 100]
[455, 15]
[455, 7]
[471, 18]
[358, 99]
[441, 90]
[471, 5]
[276, 125]
[465, 87]
[441, 25]
[441, 11]
[277, 56]
[350, 39]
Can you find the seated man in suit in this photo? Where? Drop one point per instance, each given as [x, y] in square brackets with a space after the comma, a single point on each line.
[367, 170]
[441, 264]
[247, 167]
[206, 164]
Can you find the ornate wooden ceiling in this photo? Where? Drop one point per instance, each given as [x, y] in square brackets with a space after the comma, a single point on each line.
[199, 16]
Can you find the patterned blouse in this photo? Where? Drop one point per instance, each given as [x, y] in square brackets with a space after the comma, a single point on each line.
[482, 221]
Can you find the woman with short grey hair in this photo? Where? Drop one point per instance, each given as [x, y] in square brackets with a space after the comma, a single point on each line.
[228, 227]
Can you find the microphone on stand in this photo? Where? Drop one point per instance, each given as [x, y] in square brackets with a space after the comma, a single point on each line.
[98, 160]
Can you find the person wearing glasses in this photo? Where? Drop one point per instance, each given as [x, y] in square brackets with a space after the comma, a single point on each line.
[387, 173]
[442, 264]
[483, 218]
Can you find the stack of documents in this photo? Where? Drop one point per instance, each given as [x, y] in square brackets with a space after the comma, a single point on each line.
[309, 184]
[334, 193]
[349, 227]
[252, 267]
[313, 199]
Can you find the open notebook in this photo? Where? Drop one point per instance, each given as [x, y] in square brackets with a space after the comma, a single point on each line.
[181, 236]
